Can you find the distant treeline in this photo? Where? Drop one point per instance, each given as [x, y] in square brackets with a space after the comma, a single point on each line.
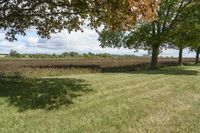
[15, 54]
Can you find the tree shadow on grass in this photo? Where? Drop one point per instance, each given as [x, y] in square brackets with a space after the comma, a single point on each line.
[45, 94]
[169, 71]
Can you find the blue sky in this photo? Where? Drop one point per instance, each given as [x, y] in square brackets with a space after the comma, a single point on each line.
[65, 42]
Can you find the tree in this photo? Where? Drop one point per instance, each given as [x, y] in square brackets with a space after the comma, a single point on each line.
[196, 48]
[197, 55]
[51, 16]
[74, 54]
[187, 32]
[195, 11]
[188, 35]
[14, 54]
[180, 39]
[154, 35]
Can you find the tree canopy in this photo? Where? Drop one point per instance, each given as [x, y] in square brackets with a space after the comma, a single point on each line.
[51, 16]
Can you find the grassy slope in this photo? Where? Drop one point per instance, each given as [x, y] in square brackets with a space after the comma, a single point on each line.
[167, 100]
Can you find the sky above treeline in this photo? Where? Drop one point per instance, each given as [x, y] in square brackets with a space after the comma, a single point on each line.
[82, 42]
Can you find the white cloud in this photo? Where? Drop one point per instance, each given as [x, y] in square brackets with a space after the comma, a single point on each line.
[32, 40]
[175, 53]
[65, 42]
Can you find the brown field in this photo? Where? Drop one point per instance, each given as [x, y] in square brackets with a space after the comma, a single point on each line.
[53, 67]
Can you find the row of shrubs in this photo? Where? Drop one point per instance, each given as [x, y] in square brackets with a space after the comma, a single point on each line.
[15, 54]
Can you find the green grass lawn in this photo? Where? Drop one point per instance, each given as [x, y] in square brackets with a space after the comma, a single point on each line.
[166, 100]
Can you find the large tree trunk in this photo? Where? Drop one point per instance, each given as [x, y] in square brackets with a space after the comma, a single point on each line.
[154, 58]
[180, 61]
[197, 55]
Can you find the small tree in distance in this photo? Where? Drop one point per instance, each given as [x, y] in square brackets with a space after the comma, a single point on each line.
[14, 54]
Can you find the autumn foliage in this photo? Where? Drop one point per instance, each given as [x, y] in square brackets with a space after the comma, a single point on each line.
[51, 16]
[144, 8]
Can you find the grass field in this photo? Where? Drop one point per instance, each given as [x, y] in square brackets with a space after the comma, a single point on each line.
[165, 100]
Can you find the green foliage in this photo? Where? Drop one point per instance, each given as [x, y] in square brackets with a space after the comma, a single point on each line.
[157, 34]
[14, 54]
[101, 55]
[112, 39]
[187, 32]
[76, 55]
